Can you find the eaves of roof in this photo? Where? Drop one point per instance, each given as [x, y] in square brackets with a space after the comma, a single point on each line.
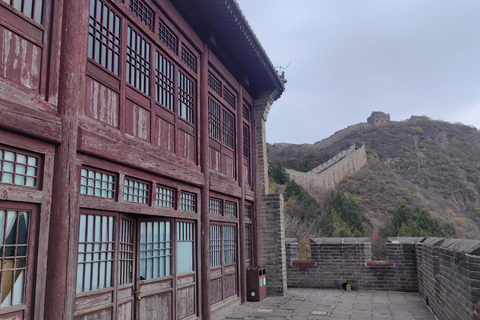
[225, 20]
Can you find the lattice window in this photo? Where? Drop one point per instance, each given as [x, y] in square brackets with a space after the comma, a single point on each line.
[142, 12]
[104, 36]
[215, 206]
[248, 212]
[14, 226]
[248, 247]
[18, 168]
[185, 98]
[228, 245]
[95, 252]
[230, 209]
[189, 59]
[164, 82]
[96, 183]
[214, 119]
[165, 197]
[246, 113]
[229, 97]
[167, 37]
[155, 250]
[135, 191]
[246, 141]
[228, 129]
[187, 201]
[126, 252]
[214, 84]
[185, 238]
[31, 8]
[138, 61]
[215, 245]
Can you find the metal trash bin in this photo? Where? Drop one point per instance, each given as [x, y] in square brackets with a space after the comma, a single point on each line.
[256, 284]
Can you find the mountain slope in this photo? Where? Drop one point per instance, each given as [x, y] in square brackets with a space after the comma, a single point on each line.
[431, 164]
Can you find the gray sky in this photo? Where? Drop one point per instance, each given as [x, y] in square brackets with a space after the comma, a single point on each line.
[351, 57]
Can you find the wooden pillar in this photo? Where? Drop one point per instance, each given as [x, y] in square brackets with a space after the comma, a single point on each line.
[204, 161]
[60, 286]
[241, 212]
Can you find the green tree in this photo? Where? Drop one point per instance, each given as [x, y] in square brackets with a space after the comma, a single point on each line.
[278, 173]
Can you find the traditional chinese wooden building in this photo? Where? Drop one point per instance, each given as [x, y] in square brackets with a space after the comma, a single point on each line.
[132, 158]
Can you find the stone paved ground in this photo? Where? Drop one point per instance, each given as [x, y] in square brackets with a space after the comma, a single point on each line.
[321, 304]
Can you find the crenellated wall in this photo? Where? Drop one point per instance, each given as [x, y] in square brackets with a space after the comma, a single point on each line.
[326, 176]
[446, 272]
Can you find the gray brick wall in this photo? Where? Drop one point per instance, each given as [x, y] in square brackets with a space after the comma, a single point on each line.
[348, 260]
[446, 273]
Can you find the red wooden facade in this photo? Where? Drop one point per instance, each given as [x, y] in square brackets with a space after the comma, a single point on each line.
[127, 147]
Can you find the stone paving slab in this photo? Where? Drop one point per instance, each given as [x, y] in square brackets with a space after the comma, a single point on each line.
[326, 304]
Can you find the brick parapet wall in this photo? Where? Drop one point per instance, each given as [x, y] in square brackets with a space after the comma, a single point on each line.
[338, 261]
[319, 182]
[446, 273]
[449, 277]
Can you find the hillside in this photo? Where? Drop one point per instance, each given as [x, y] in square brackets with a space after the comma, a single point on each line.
[431, 164]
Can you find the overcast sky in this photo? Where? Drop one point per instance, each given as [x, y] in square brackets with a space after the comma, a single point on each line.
[351, 57]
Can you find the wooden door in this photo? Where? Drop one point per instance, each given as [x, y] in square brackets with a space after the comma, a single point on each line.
[155, 281]
[186, 280]
[126, 268]
[17, 259]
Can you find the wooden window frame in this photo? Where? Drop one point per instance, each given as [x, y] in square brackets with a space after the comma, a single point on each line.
[143, 12]
[14, 173]
[148, 191]
[103, 172]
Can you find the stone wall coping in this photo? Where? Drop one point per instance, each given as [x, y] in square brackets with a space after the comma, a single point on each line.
[308, 262]
[470, 246]
[434, 241]
[340, 240]
[380, 263]
[406, 240]
[291, 240]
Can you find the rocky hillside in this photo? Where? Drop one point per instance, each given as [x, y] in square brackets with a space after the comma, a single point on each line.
[431, 164]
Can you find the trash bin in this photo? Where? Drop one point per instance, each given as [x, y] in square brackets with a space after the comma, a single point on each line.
[256, 284]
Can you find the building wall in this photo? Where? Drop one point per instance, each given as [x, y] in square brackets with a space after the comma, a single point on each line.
[329, 174]
[113, 158]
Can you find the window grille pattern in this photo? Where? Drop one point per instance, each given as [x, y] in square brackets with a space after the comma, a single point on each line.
[185, 98]
[164, 82]
[189, 59]
[246, 141]
[215, 245]
[248, 212]
[248, 249]
[104, 36]
[138, 61]
[246, 114]
[165, 197]
[18, 168]
[167, 37]
[214, 84]
[95, 183]
[187, 201]
[155, 249]
[228, 245]
[13, 256]
[31, 8]
[135, 191]
[126, 252]
[185, 238]
[229, 97]
[95, 252]
[142, 12]
[228, 129]
[214, 119]
[230, 209]
[215, 206]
